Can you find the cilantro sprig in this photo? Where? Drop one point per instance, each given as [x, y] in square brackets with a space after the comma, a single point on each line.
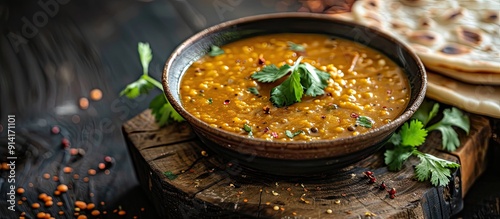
[161, 109]
[303, 79]
[413, 134]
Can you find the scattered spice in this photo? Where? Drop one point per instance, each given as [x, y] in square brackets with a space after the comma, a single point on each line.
[20, 190]
[67, 169]
[329, 211]
[62, 188]
[65, 143]
[276, 208]
[382, 186]
[49, 203]
[122, 212]
[204, 153]
[35, 205]
[84, 103]
[372, 179]
[337, 201]
[95, 213]
[101, 166]
[55, 130]
[81, 205]
[392, 193]
[91, 172]
[95, 94]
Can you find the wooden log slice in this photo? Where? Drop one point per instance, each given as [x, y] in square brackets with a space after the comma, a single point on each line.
[185, 180]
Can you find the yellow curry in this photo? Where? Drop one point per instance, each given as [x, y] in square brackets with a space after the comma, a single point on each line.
[362, 89]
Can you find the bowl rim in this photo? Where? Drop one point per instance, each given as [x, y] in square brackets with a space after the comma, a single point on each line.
[320, 143]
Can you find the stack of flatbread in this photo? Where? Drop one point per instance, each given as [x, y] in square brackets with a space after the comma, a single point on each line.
[457, 40]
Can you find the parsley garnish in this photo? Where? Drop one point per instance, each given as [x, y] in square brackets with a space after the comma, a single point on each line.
[365, 121]
[215, 51]
[296, 47]
[413, 133]
[210, 100]
[304, 79]
[289, 134]
[161, 109]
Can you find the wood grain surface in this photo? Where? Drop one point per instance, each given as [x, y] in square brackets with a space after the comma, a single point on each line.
[185, 180]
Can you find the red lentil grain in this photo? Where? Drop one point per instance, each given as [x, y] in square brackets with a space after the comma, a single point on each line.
[35, 205]
[62, 188]
[91, 172]
[95, 94]
[20, 190]
[55, 130]
[80, 204]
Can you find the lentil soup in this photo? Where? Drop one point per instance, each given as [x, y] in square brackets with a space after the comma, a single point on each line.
[363, 83]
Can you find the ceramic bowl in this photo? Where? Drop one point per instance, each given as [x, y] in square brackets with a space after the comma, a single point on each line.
[292, 158]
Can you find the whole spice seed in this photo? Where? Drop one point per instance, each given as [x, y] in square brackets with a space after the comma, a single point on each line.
[382, 186]
[55, 130]
[372, 179]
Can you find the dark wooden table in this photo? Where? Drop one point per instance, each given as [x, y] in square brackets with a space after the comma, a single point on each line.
[48, 64]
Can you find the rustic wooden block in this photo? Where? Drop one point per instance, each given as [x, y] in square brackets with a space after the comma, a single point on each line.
[185, 180]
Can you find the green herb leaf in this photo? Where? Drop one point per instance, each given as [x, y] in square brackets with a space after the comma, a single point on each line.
[210, 101]
[296, 47]
[163, 112]
[426, 112]
[313, 80]
[253, 90]
[288, 92]
[136, 88]
[365, 121]
[452, 117]
[145, 55]
[433, 168]
[215, 51]
[247, 128]
[413, 133]
[291, 135]
[271, 73]
[395, 158]
[170, 175]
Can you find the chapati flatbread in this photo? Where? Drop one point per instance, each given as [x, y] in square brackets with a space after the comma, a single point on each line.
[480, 99]
[460, 35]
[484, 78]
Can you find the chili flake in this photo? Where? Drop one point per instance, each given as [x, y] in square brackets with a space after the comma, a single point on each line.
[226, 102]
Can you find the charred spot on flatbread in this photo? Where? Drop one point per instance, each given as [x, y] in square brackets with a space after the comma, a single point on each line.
[454, 49]
[470, 36]
[426, 23]
[424, 37]
[453, 14]
[491, 16]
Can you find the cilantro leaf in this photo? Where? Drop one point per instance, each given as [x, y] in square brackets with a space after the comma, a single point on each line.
[413, 134]
[365, 121]
[136, 88]
[452, 117]
[395, 139]
[163, 112]
[248, 129]
[289, 134]
[427, 111]
[288, 92]
[395, 158]
[313, 80]
[271, 73]
[433, 168]
[296, 47]
[145, 55]
[215, 51]
[253, 90]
